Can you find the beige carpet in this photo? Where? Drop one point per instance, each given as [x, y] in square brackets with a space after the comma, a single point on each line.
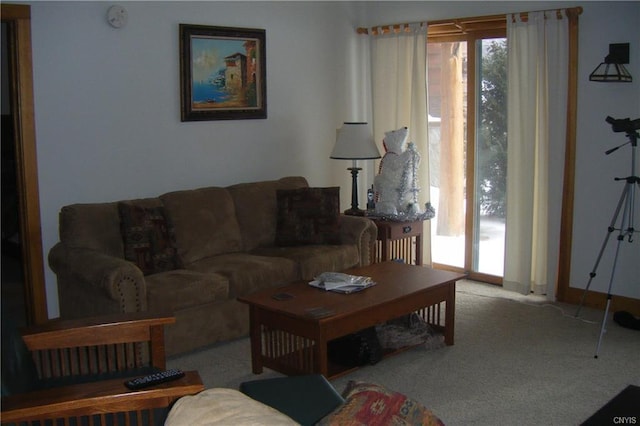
[517, 360]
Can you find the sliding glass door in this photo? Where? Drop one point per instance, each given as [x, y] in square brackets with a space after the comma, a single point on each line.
[447, 78]
[490, 165]
[467, 122]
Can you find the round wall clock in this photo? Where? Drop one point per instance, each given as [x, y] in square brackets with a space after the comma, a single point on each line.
[117, 16]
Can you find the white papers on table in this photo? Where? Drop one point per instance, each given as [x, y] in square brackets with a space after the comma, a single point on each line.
[341, 282]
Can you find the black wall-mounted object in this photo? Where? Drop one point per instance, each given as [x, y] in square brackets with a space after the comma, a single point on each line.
[613, 69]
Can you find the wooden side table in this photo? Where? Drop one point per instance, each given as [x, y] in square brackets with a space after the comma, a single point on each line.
[399, 240]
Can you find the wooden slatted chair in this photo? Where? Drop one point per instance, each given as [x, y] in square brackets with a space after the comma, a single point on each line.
[73, 372]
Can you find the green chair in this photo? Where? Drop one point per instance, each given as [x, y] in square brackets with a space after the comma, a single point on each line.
[306, 399]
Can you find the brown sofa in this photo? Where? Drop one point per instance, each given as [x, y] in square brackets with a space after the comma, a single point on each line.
[221, 243]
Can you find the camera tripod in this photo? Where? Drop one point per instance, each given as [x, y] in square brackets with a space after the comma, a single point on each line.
[626, 206]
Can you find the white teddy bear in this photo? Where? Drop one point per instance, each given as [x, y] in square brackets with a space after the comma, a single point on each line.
[395, 183]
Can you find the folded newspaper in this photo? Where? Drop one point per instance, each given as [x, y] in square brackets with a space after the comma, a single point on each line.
[341, 282]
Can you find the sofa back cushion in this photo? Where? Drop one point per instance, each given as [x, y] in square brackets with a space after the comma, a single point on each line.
[93, 226]
[96, 226]
[204, 221]
[257, 211]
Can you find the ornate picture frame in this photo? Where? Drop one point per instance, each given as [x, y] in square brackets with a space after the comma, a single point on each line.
[222, 73]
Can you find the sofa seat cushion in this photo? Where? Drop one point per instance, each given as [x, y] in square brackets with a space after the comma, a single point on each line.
[315, 259]
[249, 273]
[179, 289]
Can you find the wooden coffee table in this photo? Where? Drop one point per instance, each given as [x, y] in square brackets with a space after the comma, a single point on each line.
[290, 336]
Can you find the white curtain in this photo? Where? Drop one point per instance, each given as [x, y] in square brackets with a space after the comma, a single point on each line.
[399, 97]
[536, 125]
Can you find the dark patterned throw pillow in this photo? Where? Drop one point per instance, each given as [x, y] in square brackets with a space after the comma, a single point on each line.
[308, 216]
[148, 238]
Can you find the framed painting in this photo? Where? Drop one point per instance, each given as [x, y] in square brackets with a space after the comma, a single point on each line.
[222, 73]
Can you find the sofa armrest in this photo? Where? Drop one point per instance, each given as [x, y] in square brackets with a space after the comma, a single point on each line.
[106, 276]
[362, 232]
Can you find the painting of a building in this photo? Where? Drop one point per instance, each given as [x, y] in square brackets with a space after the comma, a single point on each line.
[235, 72]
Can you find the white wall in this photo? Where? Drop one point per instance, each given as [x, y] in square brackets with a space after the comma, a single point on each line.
[108, 119]
[107, 103]
[597, 193]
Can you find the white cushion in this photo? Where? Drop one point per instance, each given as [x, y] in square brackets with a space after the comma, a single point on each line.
[219, 406]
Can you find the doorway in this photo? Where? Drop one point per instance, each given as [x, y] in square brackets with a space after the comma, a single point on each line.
[24, 240]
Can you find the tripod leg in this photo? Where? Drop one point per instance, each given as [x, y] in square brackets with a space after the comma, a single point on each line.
[606, 311]
[603, 326]
[610, 229]
[627, 212]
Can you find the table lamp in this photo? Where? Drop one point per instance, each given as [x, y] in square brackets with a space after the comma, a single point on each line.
[354, 141]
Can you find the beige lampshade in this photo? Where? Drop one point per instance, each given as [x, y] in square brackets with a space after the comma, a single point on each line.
[354, 141]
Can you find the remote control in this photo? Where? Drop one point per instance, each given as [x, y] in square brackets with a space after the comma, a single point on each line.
[154, 379]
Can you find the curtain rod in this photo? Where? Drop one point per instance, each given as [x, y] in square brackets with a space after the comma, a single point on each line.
[459, 22]
[570, 11]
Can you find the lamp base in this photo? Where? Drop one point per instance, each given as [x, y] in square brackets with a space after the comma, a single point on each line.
[355, 212]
